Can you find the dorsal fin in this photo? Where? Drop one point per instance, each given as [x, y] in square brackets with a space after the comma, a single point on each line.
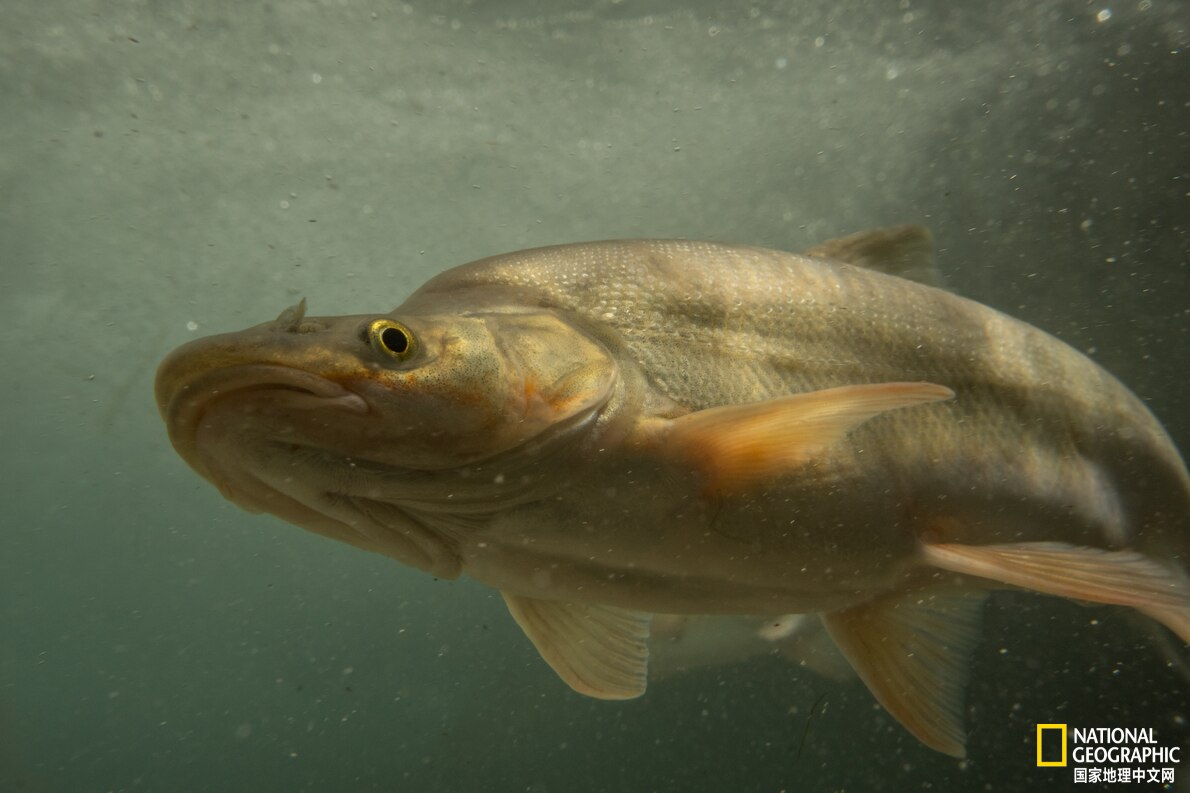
[905, 251]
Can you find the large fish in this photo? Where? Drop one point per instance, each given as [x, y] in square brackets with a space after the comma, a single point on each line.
[607, 430]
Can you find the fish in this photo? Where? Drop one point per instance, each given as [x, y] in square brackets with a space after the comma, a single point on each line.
[610, 430]
[684, 642]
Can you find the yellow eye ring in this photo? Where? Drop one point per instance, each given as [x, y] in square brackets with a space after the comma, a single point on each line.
[392, 339]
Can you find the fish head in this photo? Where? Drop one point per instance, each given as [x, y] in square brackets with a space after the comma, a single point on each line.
[356, 426]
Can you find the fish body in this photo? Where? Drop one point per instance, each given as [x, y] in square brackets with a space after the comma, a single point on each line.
[607, 430]
[682, 643]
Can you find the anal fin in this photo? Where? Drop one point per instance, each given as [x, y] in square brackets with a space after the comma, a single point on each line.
[912, 651]
[599, 651]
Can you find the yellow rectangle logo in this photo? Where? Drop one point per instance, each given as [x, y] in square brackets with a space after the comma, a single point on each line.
[1041, 730]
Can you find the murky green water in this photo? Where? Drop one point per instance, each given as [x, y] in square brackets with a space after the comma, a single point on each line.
[175, 168]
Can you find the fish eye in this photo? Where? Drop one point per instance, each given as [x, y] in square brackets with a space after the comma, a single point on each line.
[392, 339]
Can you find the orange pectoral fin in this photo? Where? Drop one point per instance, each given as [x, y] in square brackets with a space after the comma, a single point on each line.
[741, 446]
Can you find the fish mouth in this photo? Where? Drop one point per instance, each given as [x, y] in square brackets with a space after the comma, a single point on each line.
[266, 436]
[185, 402]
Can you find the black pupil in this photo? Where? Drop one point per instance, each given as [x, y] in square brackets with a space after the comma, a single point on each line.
[394, 340]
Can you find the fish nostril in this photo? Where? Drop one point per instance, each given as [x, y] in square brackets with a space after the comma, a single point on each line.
[293, 320]
[290, 320]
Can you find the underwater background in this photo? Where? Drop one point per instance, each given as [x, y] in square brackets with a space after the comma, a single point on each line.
[172, 169]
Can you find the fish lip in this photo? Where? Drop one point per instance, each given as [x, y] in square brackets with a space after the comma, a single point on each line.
[188, 402]
[184, 402]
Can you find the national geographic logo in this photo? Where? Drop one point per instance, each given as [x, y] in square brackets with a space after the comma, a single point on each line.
[1107, 754]
[1051, 745]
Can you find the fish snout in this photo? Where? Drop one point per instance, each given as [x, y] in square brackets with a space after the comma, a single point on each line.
[186, 391]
